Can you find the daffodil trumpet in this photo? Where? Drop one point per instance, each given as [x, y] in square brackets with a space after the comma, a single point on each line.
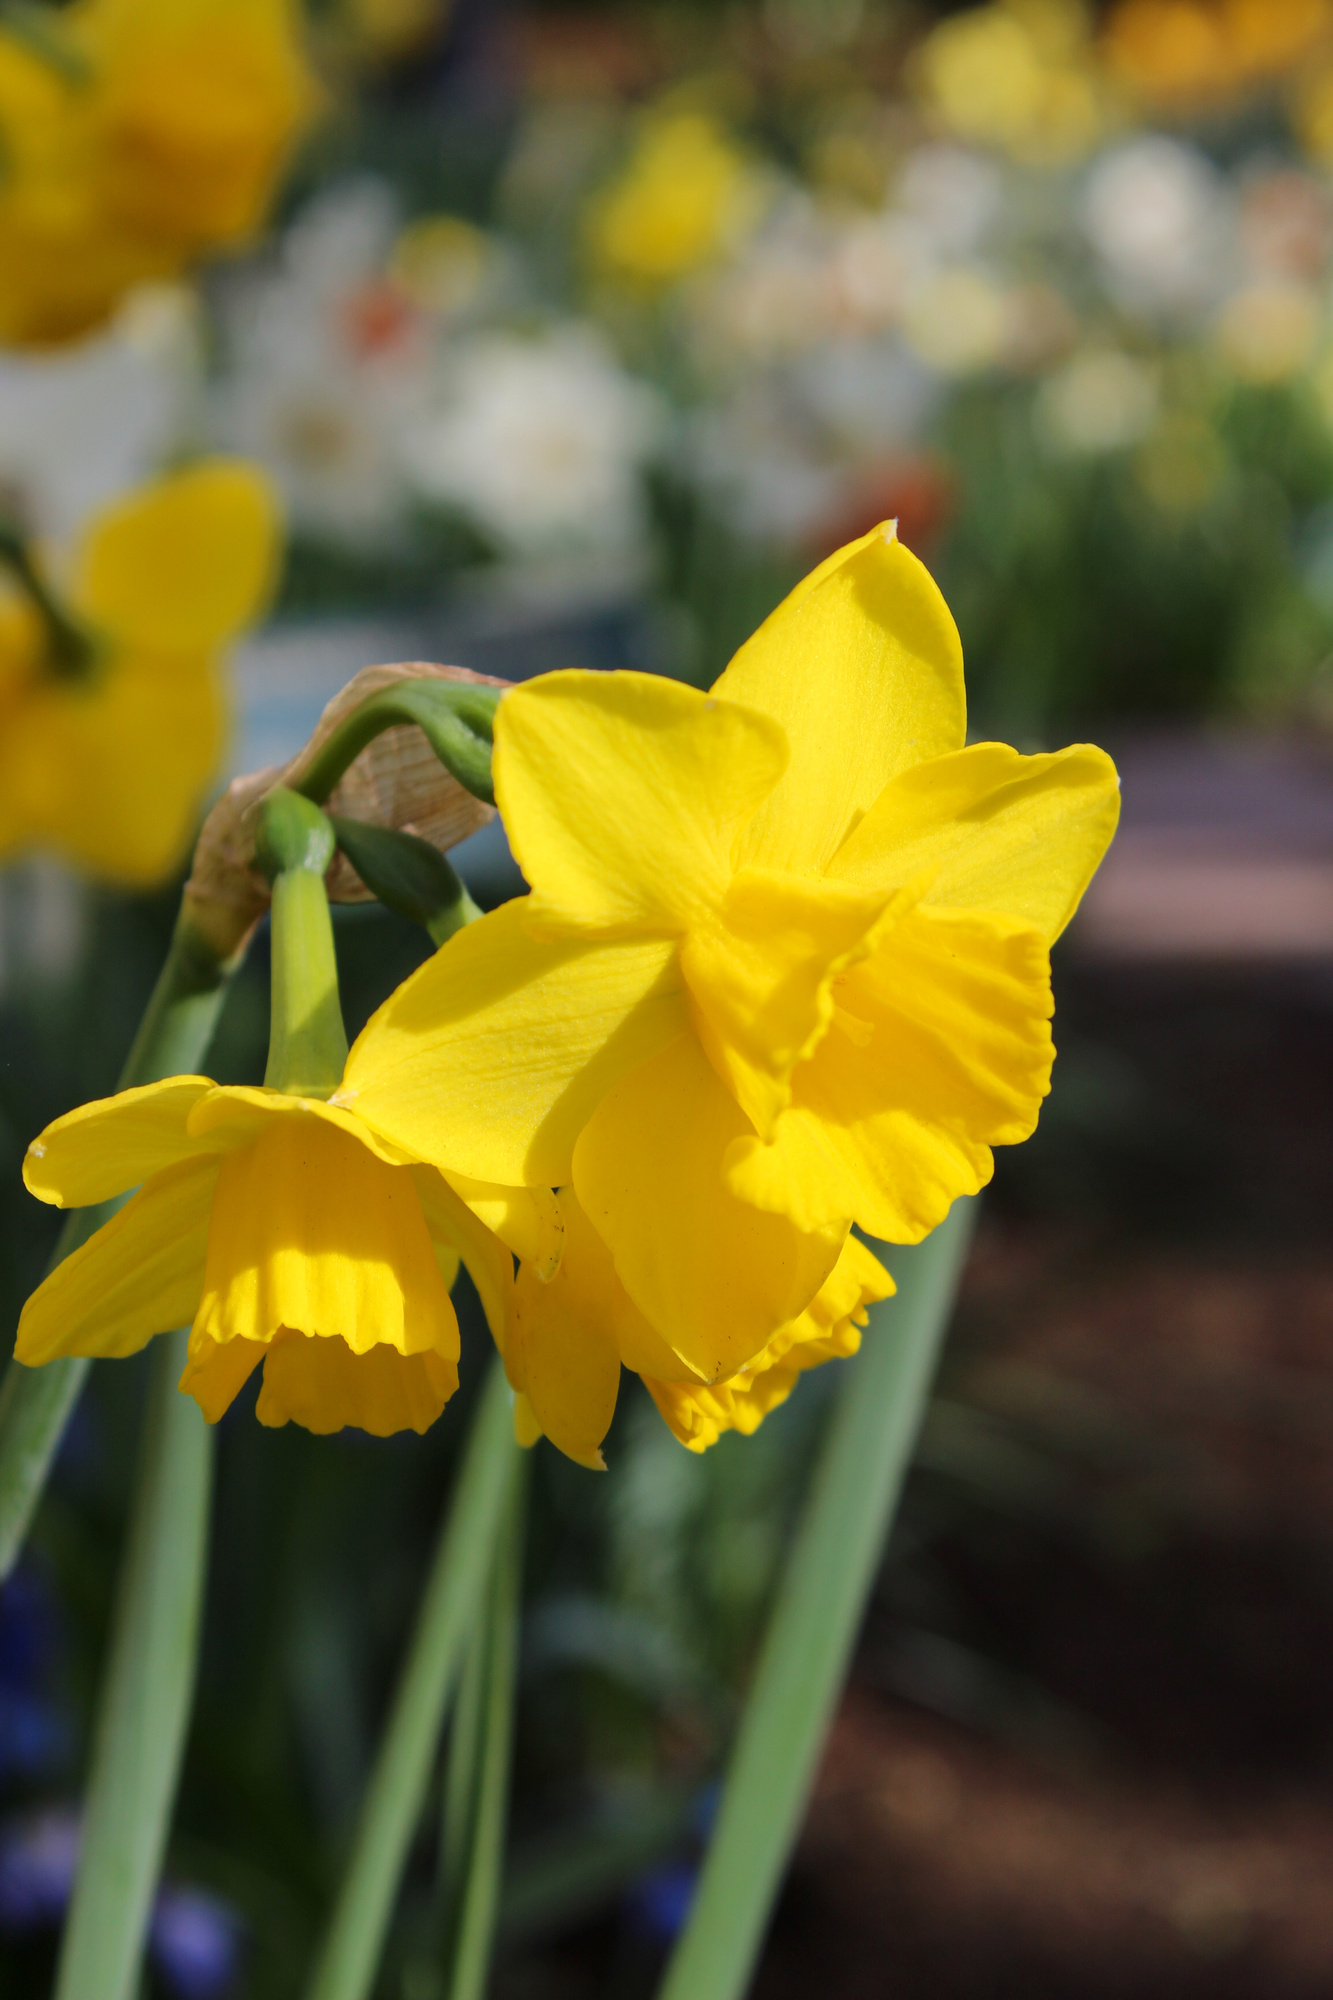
[274, 1222]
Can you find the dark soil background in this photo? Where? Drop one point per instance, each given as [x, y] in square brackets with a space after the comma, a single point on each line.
[1087, 1748]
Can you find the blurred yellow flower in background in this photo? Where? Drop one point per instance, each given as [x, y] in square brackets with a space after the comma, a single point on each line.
[285, 1231]
[686, 194]
[106, 759]
[783, 968]
[1018, 75]
[152, 133]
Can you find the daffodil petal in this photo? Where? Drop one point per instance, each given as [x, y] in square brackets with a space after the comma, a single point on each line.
[526, 1220]
[326, 1386]
[140, 1275]
[713, 1275]
[232, 1114]
[453, 1225]
[112, 772]
[958, 1060]
[761, 974]
[489, 1060]
[217, 1370]
[585, 1279]
[566, 1363]
[526, 1428]
[312, 1232]
[183, 563]
[999, 831]
[113, 1143]
[862, 667]
[623, 794]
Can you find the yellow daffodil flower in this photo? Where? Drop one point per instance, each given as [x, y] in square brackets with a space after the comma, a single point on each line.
[148, 134]
[686, 194]
[784, 968]
[107, 761]
[285, 1231]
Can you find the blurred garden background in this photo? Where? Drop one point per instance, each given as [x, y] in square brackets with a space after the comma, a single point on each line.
[576, 336]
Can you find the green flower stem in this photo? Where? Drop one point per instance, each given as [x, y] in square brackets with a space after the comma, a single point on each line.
[815, 1620]
[450, 1607]
[35, 1403]
[472, 1919]
[70, 650]
[146, 1693]
[307, 1048]
[454, 716]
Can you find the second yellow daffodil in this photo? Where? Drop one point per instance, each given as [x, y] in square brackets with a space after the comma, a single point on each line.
[143, 135]
[284, 1231]
[106, 760]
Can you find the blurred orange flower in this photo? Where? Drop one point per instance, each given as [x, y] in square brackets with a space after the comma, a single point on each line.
[1181, 51]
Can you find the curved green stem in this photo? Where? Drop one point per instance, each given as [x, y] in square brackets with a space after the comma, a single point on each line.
[456, 718]
[814, 1623]
[35, 1403]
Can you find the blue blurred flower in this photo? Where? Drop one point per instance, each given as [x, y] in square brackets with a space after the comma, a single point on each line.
[33, 1734]
[657, 1905]
[196, 1943]
[38, 1856]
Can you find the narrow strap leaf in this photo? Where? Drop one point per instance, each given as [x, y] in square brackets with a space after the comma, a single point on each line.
[450, 1607]
[147, 1689]
[815, 1620]
[474, 1920]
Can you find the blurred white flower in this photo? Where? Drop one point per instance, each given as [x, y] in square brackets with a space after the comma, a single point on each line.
[867, 395]
[957, 320]
[327, 363]
[778, 295]
[1099, 401]
[953, 194]
[762, 466]
[1159, 218]
[81, 424]
[877, 261]
[541, 441]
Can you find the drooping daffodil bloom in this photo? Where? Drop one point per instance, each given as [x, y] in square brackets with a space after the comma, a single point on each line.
[283, 1231]
[784, 968]
[106, 750]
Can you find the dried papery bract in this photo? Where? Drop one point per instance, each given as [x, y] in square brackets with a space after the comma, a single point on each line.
[397, 781]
